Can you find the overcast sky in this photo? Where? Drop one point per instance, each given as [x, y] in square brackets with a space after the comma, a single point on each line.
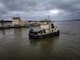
[40, 9]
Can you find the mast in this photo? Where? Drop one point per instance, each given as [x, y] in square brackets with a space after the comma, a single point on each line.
[48, 17]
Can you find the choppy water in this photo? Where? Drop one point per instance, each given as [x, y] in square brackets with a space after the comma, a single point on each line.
[15, 44]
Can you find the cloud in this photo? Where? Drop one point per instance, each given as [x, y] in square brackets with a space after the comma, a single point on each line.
[37, 9]
[3, 9]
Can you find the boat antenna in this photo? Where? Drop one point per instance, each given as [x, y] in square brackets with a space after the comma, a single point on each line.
[48, 17]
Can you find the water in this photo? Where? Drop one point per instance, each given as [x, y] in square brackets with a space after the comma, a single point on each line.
[15, 44]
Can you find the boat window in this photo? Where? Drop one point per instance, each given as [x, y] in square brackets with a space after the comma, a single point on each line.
[52, 25]
[44, 31]
[35, 32]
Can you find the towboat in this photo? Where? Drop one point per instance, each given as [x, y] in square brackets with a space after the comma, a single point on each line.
[46, 29]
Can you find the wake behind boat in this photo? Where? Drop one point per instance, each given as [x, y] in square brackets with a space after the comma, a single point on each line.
[47, 29]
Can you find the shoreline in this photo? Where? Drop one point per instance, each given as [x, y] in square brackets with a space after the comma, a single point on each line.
[13, 27]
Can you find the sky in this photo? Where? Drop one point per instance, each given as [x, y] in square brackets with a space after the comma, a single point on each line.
[40, 9]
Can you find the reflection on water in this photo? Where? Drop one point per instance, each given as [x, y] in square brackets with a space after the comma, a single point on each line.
[43, 47]
[48, 40]
[17, 32]
[46, 44]
[3, 31]
[15, 44]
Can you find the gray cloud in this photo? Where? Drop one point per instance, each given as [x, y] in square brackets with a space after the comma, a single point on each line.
[3, 9]
[19, 4]
[37, 9]
[67, 5]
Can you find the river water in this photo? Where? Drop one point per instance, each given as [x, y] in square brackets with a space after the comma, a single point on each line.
[16, 45]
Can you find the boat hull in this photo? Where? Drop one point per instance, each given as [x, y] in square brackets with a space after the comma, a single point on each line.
[45, 35]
